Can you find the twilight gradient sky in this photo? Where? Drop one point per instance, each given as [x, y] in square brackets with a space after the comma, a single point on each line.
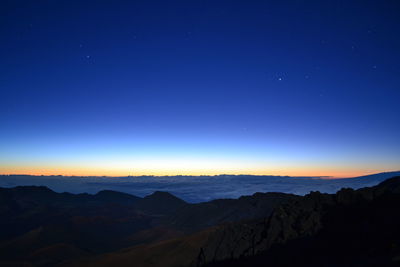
[199, 87]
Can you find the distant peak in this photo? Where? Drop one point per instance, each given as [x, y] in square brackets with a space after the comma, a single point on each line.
[107, 192]
[33, 188]
[115, 194]
[161, 194]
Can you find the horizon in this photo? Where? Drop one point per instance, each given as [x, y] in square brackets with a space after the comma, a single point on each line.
[200, 175]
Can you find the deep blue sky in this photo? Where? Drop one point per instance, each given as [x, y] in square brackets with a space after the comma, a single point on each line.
[176, 87]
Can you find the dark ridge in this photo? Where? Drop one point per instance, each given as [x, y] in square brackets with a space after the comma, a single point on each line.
[391, 184]
[114, 196]
[160, 203]
[253, 230]
[199, 216]
[349, 228]
[161, 194]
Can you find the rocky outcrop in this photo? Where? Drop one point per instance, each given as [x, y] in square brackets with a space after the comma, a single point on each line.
[109, 229]
[199, 216]
[37, 218]
[298, 219]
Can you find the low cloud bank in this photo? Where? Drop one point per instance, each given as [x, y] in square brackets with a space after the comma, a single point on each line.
[195, 188]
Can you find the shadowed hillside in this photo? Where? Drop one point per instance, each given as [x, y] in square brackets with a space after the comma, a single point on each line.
[351, 228]
[44, 228]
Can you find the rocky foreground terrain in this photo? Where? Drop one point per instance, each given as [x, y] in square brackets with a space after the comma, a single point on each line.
[40, 227]
[350, 228]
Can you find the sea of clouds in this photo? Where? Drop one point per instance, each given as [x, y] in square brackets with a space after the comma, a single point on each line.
[195, 188]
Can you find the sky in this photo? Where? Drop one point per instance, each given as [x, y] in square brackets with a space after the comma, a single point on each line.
[199, 87]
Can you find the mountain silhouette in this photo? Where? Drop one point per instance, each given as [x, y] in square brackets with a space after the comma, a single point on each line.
[159, 203]
[40, 221]
[43, 228]
[349, 228]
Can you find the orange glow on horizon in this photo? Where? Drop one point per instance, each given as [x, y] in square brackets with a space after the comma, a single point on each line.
[80, 171]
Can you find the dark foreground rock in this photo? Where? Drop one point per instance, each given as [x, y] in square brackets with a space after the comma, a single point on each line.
[349, 228]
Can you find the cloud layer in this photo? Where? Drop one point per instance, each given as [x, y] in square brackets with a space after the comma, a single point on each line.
[195, 188]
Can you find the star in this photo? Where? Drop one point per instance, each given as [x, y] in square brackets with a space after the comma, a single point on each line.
[280, 79]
